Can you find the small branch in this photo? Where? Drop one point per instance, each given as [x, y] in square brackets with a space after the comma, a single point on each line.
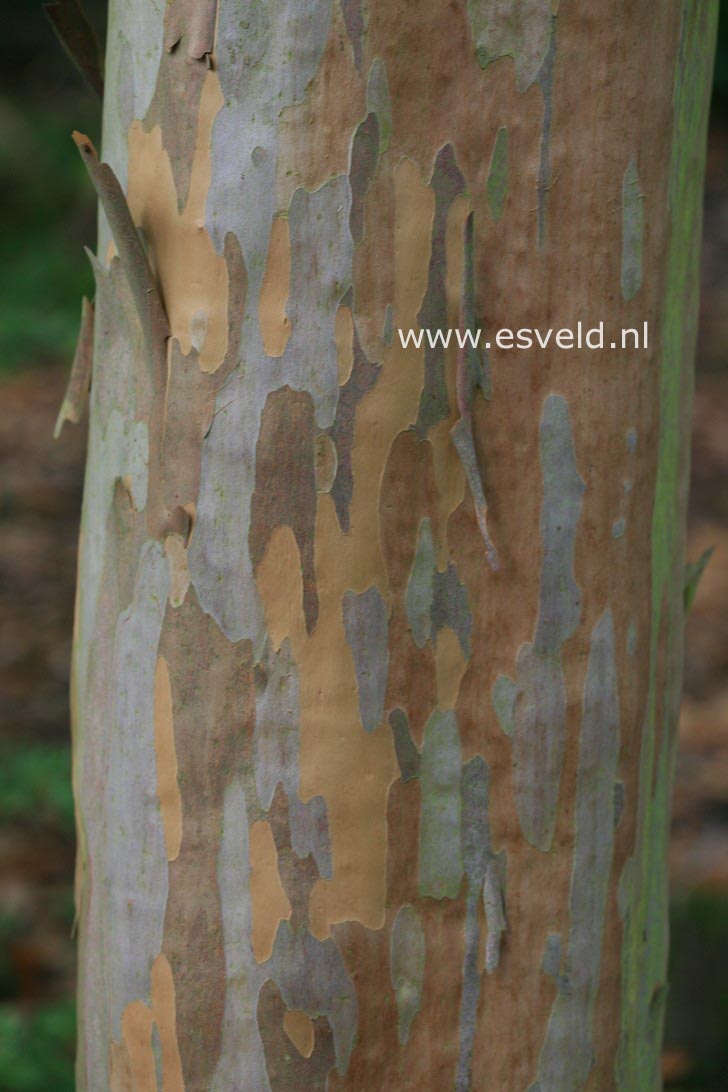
[76, 397]
[77, 37]
[134, 261]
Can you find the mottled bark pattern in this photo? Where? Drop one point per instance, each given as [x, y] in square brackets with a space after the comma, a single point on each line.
[366, 798]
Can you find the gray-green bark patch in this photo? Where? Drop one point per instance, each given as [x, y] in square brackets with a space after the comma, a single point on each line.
[447, 182]
[476, 855]
[512, 28]
[440, 855]
[539, 729]
[366, 628]
[498, 175]
[277, 748]
[633, 231]
[567, 1056]
[450, 607]
[563, 489]
[407, 956]
[436, 599]
[129, 847]
[503, 698]
[379, 102]
[309, 973]
[420, 586]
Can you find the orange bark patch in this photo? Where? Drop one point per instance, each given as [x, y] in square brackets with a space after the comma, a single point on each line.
[299, 1030]
[415, 208]
[344, 338]
[192, 276]
[350, 768]
[136, 1027]
[275, 326]
[132, 1065]
[270, 903]
[165, 1016]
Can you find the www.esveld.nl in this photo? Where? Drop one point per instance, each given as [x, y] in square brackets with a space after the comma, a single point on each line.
[593, 337]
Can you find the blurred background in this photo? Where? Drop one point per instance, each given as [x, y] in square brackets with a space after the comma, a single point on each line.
[49, 213]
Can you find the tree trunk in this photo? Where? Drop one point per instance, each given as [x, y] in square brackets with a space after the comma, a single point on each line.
[373, 788]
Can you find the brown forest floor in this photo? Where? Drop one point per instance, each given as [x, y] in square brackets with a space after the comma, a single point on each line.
[40, 493]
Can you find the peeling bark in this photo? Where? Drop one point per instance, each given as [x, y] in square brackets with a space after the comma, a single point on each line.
[361, 802]
[75, 399]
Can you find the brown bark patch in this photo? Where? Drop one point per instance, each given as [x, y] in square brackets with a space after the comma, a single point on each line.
[170, 802]
[285, 484]
[288, 1069]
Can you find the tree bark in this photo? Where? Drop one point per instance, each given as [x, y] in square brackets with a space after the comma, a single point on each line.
[372, 786]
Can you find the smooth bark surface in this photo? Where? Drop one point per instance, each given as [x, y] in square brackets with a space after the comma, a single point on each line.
[373, 788]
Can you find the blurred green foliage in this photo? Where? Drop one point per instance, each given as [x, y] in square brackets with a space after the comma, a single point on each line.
[48, 206]
[37, 1033]
[43, 271]
[35, 786]
[37, 1048]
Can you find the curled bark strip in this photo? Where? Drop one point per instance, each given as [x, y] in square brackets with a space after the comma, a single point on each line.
[134, 261]
[76, 396]
[152, 318]
[462, 438]
[462, 432]
[77, 37]
[193, 20]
